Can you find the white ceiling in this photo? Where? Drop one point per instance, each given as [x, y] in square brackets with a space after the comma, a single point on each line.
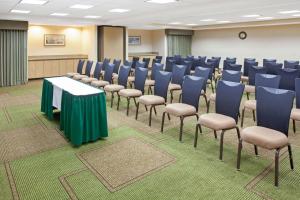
[145, 15]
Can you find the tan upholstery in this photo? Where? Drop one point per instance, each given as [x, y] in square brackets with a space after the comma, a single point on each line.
[113, 88]
[208, 81]
[203, 92]
[245, 78]
[131, 79]
[130, 93]
[218, 76]
[295, 114]
[115, 76]
[71, 74]
[173, 86]
[149, 82]
[250, 104]
[79, 76]
[264, 137]
[180, 109]
[212, 97]
[99, 83]
[250, 88]
[88, 80]
[192, 72]
[217, 121]
[151, 100]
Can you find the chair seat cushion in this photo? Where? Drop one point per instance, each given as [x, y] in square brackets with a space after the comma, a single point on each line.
[250, 88]
[113, 88]
[151, 100]
[79, 76]
[130, 93]
[115, 76]
[192, 72]
[212, 97]
[88, 80]
[71, 74]
[250, 104]
[264, 137]
[99, 83]
[295, 114]
[203, 92]
[245, 78]
[173, 86]
[150, 82]
[180, 109]
[216, 121]
[131, 79]
[208, 81]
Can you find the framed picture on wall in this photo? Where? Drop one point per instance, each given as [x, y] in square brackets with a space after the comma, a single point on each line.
[134, 40]
[54, 40]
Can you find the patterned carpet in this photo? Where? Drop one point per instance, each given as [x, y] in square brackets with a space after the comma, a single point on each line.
[135, 162]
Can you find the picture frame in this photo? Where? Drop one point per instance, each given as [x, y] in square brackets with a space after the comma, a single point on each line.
[54, 40]
[134, 40]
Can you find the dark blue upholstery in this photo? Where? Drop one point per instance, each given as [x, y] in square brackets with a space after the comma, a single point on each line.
[191, 90]
[155, 68]
[203, 73]
[98, 69]
[203, 58]
[80, 66]
[123, 75]
[177, 59]
[273, 108]
[108, 72]
[253, 70]
[141, 74]
[128, 63]
[228, 98]
[162, 80]
[268, 61]
[158, 57]
[247, 64]
[290, 64]
[249, 59]
[231, 59]
[273, 68]
[198, 62]
[218, 59]
[266, 80]
[106, 61]
[156, 61]
[178, 74]
[117, 63]
[146, 61]
[233, 76]
[226, 63]
[297, 90]
[140, 64]
[169, 65]
[188, 65]
[288, 77]
[134, 61]
[233, 67]
[88, 67]
[213, 62]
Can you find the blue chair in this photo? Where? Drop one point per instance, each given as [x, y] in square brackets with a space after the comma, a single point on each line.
[247, 64]
[197, 62]
[158, 57]
[273, 114]
[169, 65]
[141, 74]
[146, 61]
[203, 73]
[212, 67]
[188, 65]
[295, 115]
[87, 72]
[273, 68]
[226, 63]
[155, 61]
[96, 75]
[128, 63]
[233, 67]
[131, 78]
[162, 80]
[178, 73]
[134, 61]
[79, 69]
[265, 61]
[150, 83]
[290, 64]
[177, 59]
[231, 59]
[122, 83]
[214, 62]
[218, 59]
[228, 99]
[117, 63]
[191, 91]
[253, 70]
[263, 80]
[107, 79]
[141, 64]
[105, 62]
[249, 59]
[202, 58]
[288, 77]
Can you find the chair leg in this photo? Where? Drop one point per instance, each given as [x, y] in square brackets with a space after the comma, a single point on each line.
[247, 93]
[294, 126]
[181, 127]
[146, 108]
[221, 145]
[242, 119]
[162, 122]
[150, 115]
[154, 110]
[171, 99]
[149, 89]
[291, 156]
[196, 136]
[112, 99]
[276, 166]
[208, 105]
[119, 99]
[212, 87]
[128, 102]
[253, 113]
[134, 101]
[206, 102]
[137, 110]
[238, 132]
[180, 96]
[238, 163]
[255, 150]
[215, 133]
[169, 117]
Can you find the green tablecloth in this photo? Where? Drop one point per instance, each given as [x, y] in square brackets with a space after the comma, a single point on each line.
[82, 118]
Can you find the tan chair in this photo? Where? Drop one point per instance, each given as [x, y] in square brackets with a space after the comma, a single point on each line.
[87, 73]
[79, 69]
[107, 77]
[95, 76]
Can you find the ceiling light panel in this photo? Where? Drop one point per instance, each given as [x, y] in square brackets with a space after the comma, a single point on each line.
[250, 16]
[92, 17]
[118, 10]
[34, 2]
[289, 11]
[82, 6]
[20, 11]
[60, 14]
[161, 1]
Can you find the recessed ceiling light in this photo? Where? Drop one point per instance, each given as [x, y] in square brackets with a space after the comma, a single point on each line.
[223, 22]
[192, 24]
[296, 15]
[20, 11]
[289, 11]
[265, 18]
[118, 10]
[81, 6]
[35, 2]
[207, 20]
[253, 15]
[92, 17]
[59, 14]
[175, 23]
[161, 1]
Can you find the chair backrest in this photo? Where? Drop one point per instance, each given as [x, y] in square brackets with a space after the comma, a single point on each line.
[268, 61]
[230, 75]
[169, 65]
[155, 60]
[202, 58]
[253, 70]
[80, 66]
[210, 66]
[273, 108]
[117, 63]
[226, 64]
[247, 64]
[234, 67]
[214, 62]
[290, 64]
[231, 59]
[134, 61]
[98, 69]
[198, 62]
[158, 57]
[155, 68]
[106, 61]
[273, 68]
[288, 77]
[146, 61]
[297, 90]
[266, 80]
[219, 60]
[249, 59]
[188, 65]
[191, 90]
[123, 75]
[228, 98]
[178, 74]
[203, 73]
[162, 80]
[140, 64]
[108, 72]
[128, 63]
[177, 59]
[141, 74]
[88, 67]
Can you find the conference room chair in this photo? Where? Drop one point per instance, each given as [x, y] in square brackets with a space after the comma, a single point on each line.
[191, 91]
[228, 99]
[203, 73]
[197, 62]
[252, 71]
[178, 73]
[117, 63]
[105, 62]
[226, 66]
[202, 58]
[288, 77]
[295, 115]
[151, 82]
[96, 74]
[126, 63]
[138, 90]
[122, 83]
[162, 80]
[137, 65]
[218, 63]
[290, 64]
[263, 80]
[155, 60]
[78, 71]
[247, 63]
[159, 57]
[227, 75]
[134, 61]
[146, 61]
[178, 59]
[212, 67]
[271, 132]
[87, 71]
[265, 60]
[107, 78]
[188, 65]
[190, 57]
[169, 65]
[231, 59]
[273, 68]
[214, 63]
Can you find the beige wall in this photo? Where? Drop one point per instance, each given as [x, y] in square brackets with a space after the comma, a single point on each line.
[159, 42]
[146, 41]
[113, 42]
[280, 42]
